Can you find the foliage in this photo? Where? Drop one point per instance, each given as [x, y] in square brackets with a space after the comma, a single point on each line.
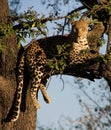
[5, 31]
[29, 24]
[24, 25]
[58, 63]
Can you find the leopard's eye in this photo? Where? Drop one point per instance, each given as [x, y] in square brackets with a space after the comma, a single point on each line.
[75, 30]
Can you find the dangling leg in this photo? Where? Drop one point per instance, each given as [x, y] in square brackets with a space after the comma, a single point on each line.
[44, 90]
[35, 85]
[45, 94]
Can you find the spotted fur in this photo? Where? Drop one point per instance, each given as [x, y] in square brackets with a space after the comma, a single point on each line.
[35, 58]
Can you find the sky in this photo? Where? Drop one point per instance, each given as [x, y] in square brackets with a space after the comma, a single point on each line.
[64, 97]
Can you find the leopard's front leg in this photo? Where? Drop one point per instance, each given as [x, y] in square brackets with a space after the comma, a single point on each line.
[36, 85]
[45, 94]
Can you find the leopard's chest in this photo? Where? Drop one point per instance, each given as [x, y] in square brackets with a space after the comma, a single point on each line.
[77, 53]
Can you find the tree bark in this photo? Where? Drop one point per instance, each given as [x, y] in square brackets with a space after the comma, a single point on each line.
[8, 61]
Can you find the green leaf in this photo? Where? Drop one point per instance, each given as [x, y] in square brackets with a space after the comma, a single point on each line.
[95, 6]
[56, 66]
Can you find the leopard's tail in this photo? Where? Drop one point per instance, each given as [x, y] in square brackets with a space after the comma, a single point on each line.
[15, 110]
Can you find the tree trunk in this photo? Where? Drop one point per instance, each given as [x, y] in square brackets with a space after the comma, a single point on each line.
[8, 60]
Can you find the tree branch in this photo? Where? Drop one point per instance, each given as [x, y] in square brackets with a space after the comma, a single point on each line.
[109, 35]
[42, 20]
[89, 4]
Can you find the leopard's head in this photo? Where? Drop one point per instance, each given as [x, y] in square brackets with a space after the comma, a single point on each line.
[80, 29]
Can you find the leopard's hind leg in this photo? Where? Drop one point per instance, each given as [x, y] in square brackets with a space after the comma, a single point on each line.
[35, 85]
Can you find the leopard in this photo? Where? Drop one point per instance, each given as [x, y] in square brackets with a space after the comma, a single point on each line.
[37, 54]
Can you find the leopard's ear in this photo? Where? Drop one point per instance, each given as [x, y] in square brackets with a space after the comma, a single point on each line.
[73, 23]
[85, 19]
